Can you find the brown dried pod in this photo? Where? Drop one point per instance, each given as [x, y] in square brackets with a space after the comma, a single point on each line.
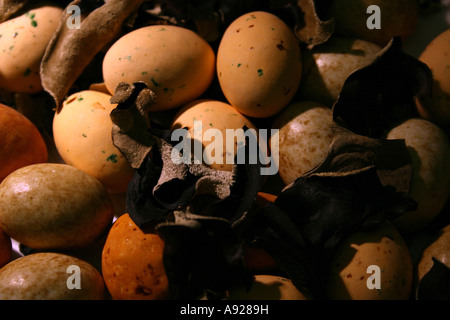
[72, 49]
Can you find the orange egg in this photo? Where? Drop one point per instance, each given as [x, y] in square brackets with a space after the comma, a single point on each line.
[21, 143]
[132, 263]
[437, 57]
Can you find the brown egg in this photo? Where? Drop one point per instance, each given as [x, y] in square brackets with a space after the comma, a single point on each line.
[50, 276]
[54, 206]
[327, 66]
[371, 265]
[397, 18]
[439, 249]
[430, 182]
[437, 57]
[268, 287]
[304, 136]
[132, 263]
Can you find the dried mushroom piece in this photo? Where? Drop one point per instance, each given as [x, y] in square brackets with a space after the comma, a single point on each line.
[131, 121]
[376, 98]
[350, 152]
[362, 183]
[202, 257]
[9, 7]
[435, 284]
[309, 27]
[72, 49]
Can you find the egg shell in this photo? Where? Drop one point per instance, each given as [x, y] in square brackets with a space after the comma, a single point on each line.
[5, 248]
[383, 247]
[213, 114]
[304, 137]
[326, 67]
[132, 263]
[438, 248]
[176, 63]
[24, 40]
[259, 64]
[47, 276]
[268, 287]
[397, 18]
[82, 132]
[437, 57]
[54, 206]
[21, 142]
[429, 148]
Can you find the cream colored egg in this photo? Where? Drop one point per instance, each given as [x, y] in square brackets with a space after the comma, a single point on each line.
[304, 136]
[327, 66]
[54, 206]
[216, 129]
[50, 276]
[437, 57]
[371, 265]
[23, 40]
[82, 131]
[430, 183]
[259, 64]
[268, 287]
[175, 62]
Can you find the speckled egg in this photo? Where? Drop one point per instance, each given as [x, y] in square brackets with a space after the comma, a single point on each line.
[213, 147]
[54, 206]
[268, 287]
[371, 265]
[304, 136]
[437, 57]
[132, 263]
[175, 62]
[438, 248]
[259, 64]
[430, 183]
[82, 133]
[50, 276]
[23, 40]
[326, 67]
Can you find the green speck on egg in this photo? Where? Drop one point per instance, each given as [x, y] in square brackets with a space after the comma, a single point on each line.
[260, 72]
[26, 72]
[112, 158]
[156, 84]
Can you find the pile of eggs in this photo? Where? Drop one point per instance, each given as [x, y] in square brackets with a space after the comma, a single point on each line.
[63, 206]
